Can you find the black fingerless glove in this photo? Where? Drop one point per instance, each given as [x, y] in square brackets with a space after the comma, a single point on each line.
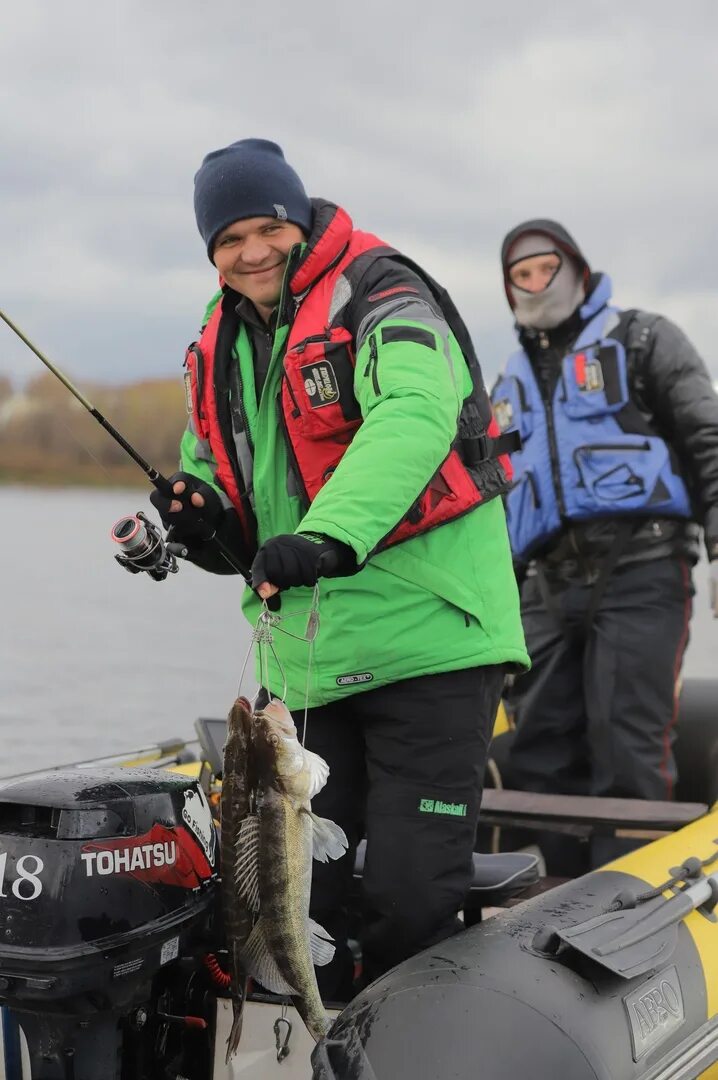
[191, 522]
[300, 559]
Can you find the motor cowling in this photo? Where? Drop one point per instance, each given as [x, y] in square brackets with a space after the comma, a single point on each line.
[106, 878]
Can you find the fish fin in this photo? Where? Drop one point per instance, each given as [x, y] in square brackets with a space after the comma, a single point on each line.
[261, 965]
[328, 839]
[239, 994]
[320, 944]
[236, 1031]
[318, 772]
[246, 874]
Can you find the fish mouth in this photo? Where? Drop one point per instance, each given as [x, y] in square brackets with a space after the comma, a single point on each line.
[279, 718]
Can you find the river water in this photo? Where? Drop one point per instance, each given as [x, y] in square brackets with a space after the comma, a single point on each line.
[94, 660]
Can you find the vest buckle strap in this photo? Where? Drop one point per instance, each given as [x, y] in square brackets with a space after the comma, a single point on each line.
[477, 448]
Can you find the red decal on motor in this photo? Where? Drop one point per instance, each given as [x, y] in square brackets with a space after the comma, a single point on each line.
[161, 856]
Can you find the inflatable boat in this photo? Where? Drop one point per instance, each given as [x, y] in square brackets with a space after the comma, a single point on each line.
[112, 961]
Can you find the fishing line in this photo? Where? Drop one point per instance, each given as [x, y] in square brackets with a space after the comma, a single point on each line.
[312, 631]
[83, 446]
[261, 635]
[263, 639]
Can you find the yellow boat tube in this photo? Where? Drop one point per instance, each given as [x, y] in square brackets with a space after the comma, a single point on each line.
[612, 976]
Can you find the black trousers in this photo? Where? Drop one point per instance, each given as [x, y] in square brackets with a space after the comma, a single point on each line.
[407, 766]
[596, 713]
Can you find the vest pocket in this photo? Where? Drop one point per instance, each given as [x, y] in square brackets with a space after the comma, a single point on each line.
[527, 515]
[594, 381]
[612, 473]
[524, 497]
[511, 408]
[320, 383]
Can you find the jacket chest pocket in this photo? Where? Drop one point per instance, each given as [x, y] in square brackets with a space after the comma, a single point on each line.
[593, 381]
[318, 393]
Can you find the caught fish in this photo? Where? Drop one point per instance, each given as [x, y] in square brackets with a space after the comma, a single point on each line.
[235, 805]
[284, 837]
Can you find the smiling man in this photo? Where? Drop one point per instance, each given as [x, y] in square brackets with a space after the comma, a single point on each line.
[341, 436]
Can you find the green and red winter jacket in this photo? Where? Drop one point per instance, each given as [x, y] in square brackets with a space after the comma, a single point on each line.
[356, 436]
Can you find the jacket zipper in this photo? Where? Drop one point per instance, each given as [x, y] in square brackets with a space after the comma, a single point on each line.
[641, 448]
[373, 364]
[280, 310]
[553, 445]
[240, 403]
[296, 411]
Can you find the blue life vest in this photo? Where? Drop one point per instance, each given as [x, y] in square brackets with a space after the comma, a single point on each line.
[591, 454]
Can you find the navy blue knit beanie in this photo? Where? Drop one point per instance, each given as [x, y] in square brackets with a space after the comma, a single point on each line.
[249, 178]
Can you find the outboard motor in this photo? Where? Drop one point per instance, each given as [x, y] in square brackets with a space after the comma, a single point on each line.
[106, 897]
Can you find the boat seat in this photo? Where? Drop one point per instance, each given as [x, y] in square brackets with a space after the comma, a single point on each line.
[496, 877]
[584, 815]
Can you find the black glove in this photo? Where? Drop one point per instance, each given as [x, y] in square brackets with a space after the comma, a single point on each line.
[191, 522]
[296, 559]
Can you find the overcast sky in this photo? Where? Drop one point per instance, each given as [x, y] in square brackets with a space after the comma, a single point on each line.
[438, 126]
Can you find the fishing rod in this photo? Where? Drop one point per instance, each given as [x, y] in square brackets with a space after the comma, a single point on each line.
[160, 482]
[143, 548]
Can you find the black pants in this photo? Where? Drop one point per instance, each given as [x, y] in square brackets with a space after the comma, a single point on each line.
[596, 714]
[407, 765]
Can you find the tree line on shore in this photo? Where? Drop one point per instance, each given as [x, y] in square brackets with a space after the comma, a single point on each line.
[47, 437]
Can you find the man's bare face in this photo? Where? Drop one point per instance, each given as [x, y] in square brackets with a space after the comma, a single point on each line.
[251, 256]
[534, 273]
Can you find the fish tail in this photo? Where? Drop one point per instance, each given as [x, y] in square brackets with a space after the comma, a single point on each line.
[312, 1012]
[236, 1031]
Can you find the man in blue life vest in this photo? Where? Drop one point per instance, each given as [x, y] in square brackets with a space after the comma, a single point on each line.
[618, 469]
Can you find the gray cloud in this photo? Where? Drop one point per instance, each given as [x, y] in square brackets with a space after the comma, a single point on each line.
[440, 132]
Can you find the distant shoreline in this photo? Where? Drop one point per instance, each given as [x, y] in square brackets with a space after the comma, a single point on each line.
[48, 440]
[74, 478]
